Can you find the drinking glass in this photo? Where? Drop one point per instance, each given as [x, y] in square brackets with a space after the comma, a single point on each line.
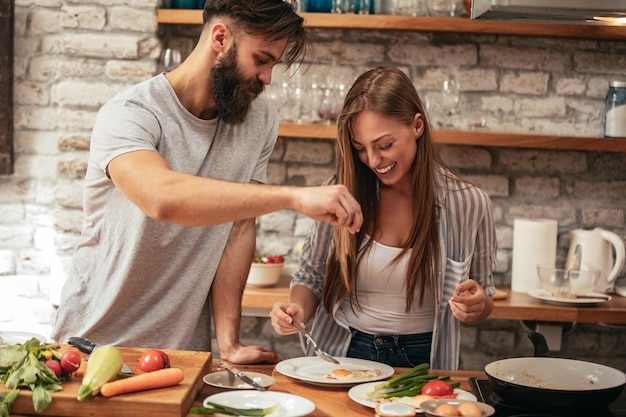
[170, 59]
[449, 8]
[408, 7]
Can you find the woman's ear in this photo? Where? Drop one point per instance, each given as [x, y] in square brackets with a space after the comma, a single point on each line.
[418, 125]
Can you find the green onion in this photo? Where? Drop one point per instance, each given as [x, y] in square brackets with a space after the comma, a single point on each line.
[407, 384]
[231, 411]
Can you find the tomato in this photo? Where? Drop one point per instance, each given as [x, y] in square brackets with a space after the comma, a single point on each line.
[153, 360]
[70, 361]
[55, 367]
[269, 259]
[437, 388]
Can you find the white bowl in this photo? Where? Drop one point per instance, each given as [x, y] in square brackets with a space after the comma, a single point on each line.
[264, 275]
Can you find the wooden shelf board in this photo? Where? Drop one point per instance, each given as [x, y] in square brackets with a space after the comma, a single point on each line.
[477, 138]
[425, 24]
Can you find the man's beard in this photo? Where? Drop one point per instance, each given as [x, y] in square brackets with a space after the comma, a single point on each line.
[231, 91]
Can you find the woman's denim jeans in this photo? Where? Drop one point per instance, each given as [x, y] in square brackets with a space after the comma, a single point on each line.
[394, 350]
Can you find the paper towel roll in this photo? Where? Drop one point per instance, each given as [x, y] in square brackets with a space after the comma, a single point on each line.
[534, 243]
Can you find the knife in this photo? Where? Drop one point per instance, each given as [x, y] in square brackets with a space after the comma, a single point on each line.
[239, 374]
[87, 346]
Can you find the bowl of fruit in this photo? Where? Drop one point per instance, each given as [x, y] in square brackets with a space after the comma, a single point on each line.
[265, 271]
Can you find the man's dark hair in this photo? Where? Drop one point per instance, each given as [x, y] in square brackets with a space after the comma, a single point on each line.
[272, 19]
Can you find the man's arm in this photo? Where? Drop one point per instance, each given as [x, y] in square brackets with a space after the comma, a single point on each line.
[146, 179]
[226, 293]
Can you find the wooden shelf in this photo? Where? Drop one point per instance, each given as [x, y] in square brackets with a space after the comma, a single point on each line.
[445, 24]
[425, 24]
[478, 138]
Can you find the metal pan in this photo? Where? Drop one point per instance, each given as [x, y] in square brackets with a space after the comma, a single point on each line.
[542, 382]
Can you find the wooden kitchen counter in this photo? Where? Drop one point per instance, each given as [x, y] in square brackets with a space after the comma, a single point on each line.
[329, 400]
[516, 306]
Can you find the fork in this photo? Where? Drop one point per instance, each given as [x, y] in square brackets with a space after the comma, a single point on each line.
[306, 334]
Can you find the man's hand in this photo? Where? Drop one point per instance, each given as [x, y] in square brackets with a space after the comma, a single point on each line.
[470, 304]
[330, 203]
[247, 355]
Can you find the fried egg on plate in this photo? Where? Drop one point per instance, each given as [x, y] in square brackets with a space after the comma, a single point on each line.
[342, 374]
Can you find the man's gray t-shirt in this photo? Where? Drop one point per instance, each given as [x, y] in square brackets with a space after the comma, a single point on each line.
[140, 282]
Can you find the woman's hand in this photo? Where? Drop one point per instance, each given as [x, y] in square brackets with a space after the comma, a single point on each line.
[281, 320]
[470, 304]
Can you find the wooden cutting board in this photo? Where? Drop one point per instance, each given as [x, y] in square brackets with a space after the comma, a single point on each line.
[165, 402]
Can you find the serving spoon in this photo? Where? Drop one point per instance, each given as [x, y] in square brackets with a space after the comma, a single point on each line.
[306, 334]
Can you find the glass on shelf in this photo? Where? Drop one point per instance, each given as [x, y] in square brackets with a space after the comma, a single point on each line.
[444, 106]
[446, 8]
[408, 7]
[170, 58]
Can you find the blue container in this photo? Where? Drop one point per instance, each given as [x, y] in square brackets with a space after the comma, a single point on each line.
[184, 4]
[319, 6]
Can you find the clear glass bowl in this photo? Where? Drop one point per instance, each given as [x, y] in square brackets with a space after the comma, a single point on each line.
[567, 283]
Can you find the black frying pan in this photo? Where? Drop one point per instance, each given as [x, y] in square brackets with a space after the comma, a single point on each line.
[554, 383]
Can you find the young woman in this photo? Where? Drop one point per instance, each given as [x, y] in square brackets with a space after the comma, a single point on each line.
[397, 290]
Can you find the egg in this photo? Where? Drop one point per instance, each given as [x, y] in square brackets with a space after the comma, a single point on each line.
[447, 410]
[468, 409]
[346, 374]
[394, 409]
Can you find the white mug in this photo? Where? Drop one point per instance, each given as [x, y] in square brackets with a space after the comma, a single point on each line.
[593, 250]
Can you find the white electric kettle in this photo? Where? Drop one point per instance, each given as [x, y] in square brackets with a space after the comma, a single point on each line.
[593, 250]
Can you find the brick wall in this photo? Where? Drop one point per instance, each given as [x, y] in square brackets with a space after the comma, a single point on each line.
[70, 57]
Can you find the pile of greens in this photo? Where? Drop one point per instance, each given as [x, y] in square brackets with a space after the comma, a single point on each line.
[23, 366]
[407, 384]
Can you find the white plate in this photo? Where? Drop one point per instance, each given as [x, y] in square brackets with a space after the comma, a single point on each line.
[357, 392]
[544, 295]
[13, 338]
[293, 405]
[225, 380]
[311, 369]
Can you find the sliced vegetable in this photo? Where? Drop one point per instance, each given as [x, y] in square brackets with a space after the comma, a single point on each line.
[104, 365]
[151, 380]
[231, 411]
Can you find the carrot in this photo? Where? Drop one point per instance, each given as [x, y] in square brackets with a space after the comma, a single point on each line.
[150, 380]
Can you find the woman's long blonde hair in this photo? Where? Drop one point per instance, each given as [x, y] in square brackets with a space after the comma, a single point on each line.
[388, 91]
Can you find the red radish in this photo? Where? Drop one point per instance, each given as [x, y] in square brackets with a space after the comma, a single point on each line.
[70, 361]
[55, 367]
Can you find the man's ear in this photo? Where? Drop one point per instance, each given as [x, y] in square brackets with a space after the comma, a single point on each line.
[220, 37]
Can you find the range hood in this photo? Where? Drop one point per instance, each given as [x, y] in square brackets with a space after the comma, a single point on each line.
[592, 12]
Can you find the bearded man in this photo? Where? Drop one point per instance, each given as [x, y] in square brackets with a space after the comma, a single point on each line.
[175, 178]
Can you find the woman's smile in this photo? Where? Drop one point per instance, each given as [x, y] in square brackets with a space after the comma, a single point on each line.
[385, 170]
